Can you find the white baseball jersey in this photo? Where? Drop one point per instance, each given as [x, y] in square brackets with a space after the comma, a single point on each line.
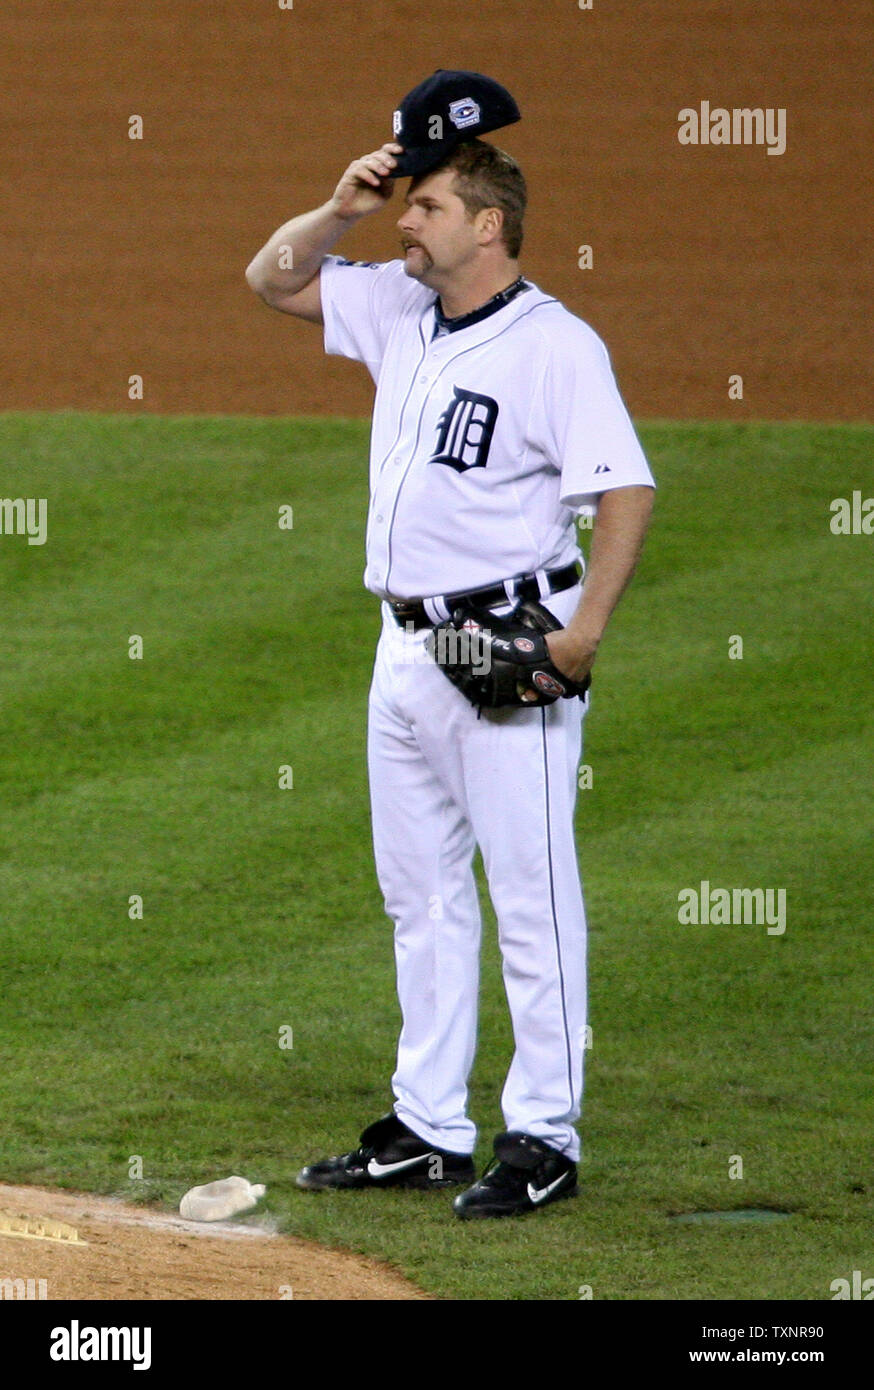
[486, 441]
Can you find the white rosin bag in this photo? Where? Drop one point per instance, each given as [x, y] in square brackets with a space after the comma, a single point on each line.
[216, 1201]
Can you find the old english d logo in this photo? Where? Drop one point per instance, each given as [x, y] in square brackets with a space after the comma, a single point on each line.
[464, 431]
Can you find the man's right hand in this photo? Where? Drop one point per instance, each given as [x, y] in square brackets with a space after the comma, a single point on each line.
[285, 272]
[365, 187]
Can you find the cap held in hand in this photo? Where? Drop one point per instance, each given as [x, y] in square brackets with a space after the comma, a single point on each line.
[448, 107]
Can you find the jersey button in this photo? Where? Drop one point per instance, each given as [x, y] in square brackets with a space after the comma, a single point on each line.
[379, 516]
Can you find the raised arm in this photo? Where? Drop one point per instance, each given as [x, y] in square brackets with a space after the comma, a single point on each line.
[285, 272]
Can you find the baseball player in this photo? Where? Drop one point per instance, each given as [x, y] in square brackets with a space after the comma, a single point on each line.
[496, 421]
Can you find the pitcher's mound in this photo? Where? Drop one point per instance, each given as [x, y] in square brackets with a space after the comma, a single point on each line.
[85, 1247]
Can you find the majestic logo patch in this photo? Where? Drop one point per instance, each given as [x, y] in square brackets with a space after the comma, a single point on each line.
[397, 121]
[464, 431]
[463, 113]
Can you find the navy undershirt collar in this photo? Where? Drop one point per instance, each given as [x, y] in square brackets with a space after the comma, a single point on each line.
[497, 301]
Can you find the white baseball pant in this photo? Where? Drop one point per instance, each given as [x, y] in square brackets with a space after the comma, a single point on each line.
[441, 781]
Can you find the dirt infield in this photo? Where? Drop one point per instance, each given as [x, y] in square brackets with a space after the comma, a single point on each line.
[133, 1252]
[126, 256]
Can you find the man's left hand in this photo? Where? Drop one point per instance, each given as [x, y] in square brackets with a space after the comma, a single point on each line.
[573, 656]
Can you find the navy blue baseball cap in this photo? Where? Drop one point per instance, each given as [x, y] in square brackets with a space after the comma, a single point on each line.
[448, 107]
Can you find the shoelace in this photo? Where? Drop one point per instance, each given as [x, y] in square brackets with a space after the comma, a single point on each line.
[509, 1179]
[362, 1156]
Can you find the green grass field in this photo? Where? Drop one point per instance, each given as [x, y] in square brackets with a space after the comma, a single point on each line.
[159, 777]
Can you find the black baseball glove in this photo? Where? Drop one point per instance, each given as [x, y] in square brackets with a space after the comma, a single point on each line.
[496, 661]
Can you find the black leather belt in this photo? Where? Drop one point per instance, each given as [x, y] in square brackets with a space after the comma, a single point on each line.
[524, 586]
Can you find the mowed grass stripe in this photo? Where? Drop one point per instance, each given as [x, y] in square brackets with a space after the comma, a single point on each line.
[159, 777]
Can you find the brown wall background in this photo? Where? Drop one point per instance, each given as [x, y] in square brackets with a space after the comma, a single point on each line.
[125, 256]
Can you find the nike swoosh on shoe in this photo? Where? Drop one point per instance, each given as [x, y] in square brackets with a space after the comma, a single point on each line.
[383, 1170]
[538, 1195]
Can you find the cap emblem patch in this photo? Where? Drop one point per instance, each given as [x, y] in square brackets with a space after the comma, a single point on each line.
[463, 113]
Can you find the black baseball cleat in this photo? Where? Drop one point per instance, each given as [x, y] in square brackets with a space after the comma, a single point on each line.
[525, 1175]
[391, 1155]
